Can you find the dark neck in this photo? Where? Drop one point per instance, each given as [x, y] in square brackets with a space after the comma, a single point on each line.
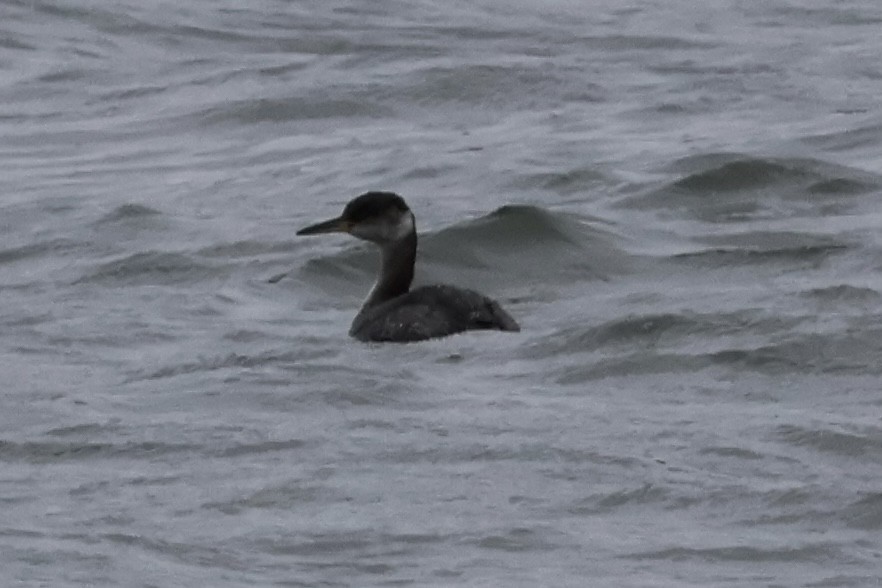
[396, 270]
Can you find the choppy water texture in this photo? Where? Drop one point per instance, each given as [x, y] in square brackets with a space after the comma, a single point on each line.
[678, 201]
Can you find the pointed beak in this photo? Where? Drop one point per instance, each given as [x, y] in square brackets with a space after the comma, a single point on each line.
[334, 225]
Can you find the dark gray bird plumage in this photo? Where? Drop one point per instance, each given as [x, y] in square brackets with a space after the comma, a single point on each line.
[393, 312]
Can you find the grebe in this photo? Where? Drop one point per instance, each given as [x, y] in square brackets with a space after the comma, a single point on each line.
[393, 312]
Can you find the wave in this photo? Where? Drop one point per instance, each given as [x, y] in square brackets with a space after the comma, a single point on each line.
[47, 248]
[843, 293]
[59, 451]
[672, 344]
[810, 553]
[126, 213]
[867, 442]
[152, 267]
[648, 331]
[759, 247]
[725, 187]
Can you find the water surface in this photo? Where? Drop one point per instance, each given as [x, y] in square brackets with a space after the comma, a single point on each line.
[679, 203]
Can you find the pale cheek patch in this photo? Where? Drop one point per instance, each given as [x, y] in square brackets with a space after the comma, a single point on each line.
[403, 228]
[367, 232]
[385, 230]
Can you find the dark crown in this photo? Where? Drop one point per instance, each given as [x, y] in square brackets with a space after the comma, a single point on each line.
[373, 205]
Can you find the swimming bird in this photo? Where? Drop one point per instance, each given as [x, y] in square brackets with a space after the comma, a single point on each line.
[392, 311]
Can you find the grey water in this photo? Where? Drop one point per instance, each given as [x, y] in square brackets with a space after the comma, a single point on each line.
[678, 201]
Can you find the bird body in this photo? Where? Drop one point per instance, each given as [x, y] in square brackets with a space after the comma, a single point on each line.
[429, 312]
[392, 312]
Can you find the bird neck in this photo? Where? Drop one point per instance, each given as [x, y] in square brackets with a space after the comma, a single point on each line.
[396, 270]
